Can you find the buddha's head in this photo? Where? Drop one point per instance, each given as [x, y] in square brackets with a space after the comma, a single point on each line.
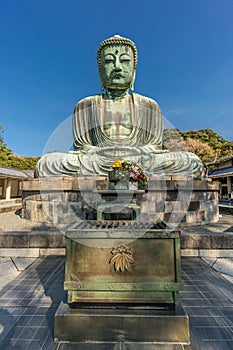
[117, 59]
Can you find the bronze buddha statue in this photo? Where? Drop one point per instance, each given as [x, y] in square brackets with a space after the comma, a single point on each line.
[118, 124]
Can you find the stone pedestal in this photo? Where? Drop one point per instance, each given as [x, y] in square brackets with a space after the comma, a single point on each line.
[125, 328]
[175, 200]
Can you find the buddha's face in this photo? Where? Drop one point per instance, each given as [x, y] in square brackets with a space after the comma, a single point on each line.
[117, 66]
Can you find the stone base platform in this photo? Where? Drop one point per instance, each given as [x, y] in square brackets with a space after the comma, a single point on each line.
[120, 328]
[64, 200]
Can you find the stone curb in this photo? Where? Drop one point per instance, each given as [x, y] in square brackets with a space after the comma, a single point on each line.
[55, 239]
[42, 243]
[30, 252]
[207, 253]
[39, 252]
[207, 241]
[222, 265]
[37, 239]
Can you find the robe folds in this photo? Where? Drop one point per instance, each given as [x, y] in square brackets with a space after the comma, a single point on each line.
[95, 150]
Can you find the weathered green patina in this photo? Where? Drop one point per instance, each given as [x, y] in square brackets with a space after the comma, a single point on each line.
[118, 124]
[153, 276]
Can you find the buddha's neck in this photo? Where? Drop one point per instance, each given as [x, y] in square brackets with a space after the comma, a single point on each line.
[116, 94]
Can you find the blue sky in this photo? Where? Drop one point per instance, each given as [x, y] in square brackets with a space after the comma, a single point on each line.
[48, 61]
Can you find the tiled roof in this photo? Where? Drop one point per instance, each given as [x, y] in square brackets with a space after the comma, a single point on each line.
[221, 160]
[221, 172]
[16, 173]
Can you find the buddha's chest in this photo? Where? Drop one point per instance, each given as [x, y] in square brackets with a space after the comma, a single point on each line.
[117, 119]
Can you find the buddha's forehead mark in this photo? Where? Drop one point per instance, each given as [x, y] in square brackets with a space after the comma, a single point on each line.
[117, 49]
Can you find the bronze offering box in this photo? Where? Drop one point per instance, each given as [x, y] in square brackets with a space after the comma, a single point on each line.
[122, 262]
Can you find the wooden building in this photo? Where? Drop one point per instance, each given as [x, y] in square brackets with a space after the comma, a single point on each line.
[10, 179]
[222, 170]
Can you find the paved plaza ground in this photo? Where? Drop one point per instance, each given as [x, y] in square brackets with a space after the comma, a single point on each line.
[28, 304]
[30, 298]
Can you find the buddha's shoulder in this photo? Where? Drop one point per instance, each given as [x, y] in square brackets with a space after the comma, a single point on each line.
[88, 101]
[147, 101]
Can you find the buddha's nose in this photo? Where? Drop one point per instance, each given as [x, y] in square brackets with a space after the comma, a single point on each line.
[118, 64]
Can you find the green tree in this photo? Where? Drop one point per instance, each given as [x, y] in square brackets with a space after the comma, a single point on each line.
[221, 146]
[8, 159]
[4, 150]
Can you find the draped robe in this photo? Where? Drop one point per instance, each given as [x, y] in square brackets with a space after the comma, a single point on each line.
[95, 150]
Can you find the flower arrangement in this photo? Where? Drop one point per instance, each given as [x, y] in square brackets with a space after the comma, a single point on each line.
[132, 172]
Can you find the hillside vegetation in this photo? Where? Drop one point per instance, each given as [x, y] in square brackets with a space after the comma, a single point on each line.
[207, 144]
[11, 160]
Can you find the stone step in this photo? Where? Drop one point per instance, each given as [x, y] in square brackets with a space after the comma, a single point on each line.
[55, 239]
[7, 207]
[10, 201]
[225, 209]
[120, 346]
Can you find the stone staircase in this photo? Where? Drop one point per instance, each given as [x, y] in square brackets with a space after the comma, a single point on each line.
[10, 205]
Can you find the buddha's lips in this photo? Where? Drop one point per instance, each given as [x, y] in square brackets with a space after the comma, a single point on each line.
[117, 75]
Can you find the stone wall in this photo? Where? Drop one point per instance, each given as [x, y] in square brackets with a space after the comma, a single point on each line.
[175, 200]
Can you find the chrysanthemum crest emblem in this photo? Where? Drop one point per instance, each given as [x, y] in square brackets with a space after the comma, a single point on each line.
[122, 258]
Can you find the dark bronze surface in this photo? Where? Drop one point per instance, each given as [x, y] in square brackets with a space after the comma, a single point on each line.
[153, 276]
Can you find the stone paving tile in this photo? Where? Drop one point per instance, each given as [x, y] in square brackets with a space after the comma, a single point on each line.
[28, 305]
[23, 263]
[9, 315]
[4, 280]
[211, 323]
[229, 278]
[7, 268]
[37, 293]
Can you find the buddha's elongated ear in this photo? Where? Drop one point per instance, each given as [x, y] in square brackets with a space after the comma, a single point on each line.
[132, 81]
[101, 80]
